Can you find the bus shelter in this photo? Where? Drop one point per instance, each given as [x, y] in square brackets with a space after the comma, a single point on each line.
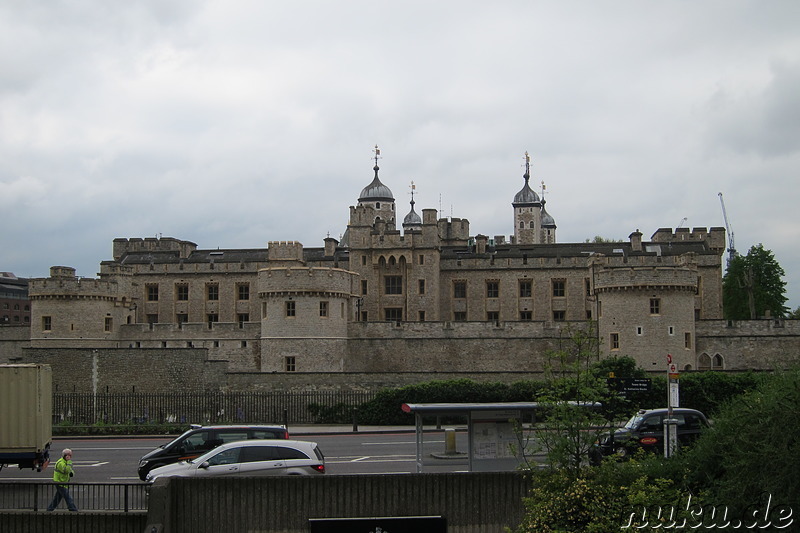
[494, 441]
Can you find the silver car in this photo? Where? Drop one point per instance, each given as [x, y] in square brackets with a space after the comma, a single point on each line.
[250, 458]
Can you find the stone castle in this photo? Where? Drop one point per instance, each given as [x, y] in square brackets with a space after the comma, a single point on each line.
[423, 296]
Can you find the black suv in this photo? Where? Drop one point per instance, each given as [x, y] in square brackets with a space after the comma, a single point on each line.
[645, 430]
[201, 439]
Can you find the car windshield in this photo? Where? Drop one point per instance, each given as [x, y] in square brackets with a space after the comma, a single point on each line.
[634, 422]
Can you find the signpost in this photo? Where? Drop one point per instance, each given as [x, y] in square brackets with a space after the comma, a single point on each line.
[673, 400]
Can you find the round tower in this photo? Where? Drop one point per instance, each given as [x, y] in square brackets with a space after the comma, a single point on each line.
[527, 211]
[379, 197]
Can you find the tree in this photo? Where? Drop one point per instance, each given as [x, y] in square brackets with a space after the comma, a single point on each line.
[795, 315]
[753, 286]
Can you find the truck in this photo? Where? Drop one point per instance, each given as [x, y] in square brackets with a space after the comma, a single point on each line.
[26, 415]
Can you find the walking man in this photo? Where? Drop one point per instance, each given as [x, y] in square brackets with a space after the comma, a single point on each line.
[63, 472]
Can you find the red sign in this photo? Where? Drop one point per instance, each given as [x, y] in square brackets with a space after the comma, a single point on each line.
[648, 440]
[669, 358]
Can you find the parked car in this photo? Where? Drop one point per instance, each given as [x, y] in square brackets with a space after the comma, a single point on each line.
[645, 430]
[250, 458]
[200, 439]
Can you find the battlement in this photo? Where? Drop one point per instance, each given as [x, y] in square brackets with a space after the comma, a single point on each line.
[647, 277]
[285, 251]
[63, 286]
[715, 237]
[152, 244]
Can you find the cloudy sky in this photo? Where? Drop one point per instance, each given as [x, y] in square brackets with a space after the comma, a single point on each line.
[233, 123]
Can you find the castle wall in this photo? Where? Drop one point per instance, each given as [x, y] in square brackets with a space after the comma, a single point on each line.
[129, 369]
[750, 344]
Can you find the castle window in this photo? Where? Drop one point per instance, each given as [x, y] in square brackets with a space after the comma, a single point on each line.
[559, 316]
[655, 306]
[108, 324]
[363, 286]
[393, 314]
[422, 286]
[532, 225]
[212, 291]
[588, 284]
[212, 317]
[422, 316]
[421, 259]
[639, 330]
[323, 309]
[182, 292]
[393, 284]
[363, 260]
[492, 289]
[614, 338]
[181, 318]
[521, 225]
[243, 290]
[377, 205]
[559, 288]
[152, 292]
[242, 318]
[525, 288]
[290, 308]
[493, 316]
[526, 315]
[687, 340]
[459, 289]
[244, 344]
[460, 316]
[47, 323]
[152, 319]
[289, 363]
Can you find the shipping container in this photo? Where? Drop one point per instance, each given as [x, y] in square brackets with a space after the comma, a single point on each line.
[26, 415]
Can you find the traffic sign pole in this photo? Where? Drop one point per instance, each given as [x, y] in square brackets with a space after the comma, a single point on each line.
[673, 400]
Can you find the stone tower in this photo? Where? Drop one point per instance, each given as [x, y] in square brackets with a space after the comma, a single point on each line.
[527, 211]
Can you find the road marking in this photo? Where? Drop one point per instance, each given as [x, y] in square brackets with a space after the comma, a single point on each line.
[360, 459]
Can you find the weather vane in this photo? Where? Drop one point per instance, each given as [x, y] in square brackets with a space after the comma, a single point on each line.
[377, 152]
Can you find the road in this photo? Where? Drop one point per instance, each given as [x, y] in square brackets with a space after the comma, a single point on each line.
[116, 459]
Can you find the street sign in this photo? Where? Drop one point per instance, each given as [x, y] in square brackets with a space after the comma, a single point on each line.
[625, 385]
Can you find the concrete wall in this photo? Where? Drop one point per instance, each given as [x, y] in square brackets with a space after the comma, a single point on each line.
[41, 522]
[474, 502]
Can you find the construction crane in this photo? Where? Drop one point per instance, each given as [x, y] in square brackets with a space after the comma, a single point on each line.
[731, 247]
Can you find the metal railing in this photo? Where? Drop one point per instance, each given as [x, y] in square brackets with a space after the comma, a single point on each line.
[36, 496]
[208, 407]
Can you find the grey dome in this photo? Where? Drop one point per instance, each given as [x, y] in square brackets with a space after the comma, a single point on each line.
[412, 218]
[526, 196]
[547, 220]
[376, 191]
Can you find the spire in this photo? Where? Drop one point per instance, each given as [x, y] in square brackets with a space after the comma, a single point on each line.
[526, 197]
[412, 219]
[376, 191]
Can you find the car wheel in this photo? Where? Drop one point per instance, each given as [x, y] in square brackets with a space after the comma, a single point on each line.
[621, 452]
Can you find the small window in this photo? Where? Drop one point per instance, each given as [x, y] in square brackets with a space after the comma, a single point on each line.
[422, 286]
[244, 344]
[108, 324]
[243, 291]
[152, 292]
[492, 289]
[363, 260]
[152, 318]
[212, 318]
[182, 292]
[393, 284]
[393, 314]
[422, 316]
[242, 318]
[655, 306]
[492, 316]
[363, 286]
[459, 289]
[526, 315]
[289, 363]
[687, 340]
[460, 316]
[290, 308]
[639, 330]
[559, 316]
[525, 288]
[614, 341]
[181, 318]
[421, 259]
[559, 288]
[323, 309]
[212, 291]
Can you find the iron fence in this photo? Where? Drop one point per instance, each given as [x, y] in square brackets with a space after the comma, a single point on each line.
[36, 496]
[207, 407]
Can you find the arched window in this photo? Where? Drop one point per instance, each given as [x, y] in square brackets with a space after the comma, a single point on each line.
[704, 362]
[532, 225]
[717, 363]
[521, 225]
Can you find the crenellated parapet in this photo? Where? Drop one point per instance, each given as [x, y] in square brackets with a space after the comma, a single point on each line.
[645, 278]
[285, 251]
[283, 281]
[152, 244]
[63, 284]
[714, 237]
